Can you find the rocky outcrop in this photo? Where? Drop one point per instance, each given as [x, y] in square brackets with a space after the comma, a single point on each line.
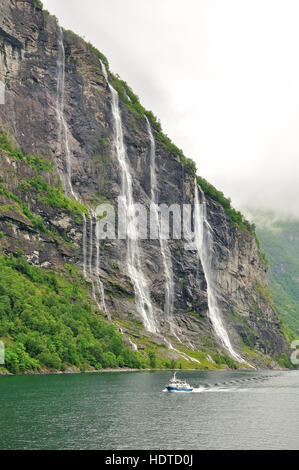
[29, 51]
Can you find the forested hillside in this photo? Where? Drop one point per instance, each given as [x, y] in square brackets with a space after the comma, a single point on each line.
[280, 241]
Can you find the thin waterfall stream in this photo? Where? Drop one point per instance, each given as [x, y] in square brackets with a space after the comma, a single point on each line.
[84, 245]
[166, 256]
[66, 177]
[165, 251]
[63, 132]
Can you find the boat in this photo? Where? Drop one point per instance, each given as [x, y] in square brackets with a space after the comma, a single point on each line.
[177, 385]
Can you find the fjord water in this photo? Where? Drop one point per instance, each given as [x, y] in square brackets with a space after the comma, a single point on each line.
[114, 411]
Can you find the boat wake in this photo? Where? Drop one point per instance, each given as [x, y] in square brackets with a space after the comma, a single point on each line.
[217, 389]
[205, 390]
[230, 386]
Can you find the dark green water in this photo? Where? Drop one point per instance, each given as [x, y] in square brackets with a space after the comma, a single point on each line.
[246, 410]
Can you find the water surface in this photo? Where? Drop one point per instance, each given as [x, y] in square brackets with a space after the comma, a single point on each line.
[245, 410]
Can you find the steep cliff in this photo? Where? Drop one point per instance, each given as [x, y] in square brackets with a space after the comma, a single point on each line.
[75, 153]
[280, 242]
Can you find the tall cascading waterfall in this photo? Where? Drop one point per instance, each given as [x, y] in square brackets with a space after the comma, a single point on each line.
[133, 258]
[204, 245]
[66, 177]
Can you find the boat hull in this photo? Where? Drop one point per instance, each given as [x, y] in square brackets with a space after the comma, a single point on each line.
[175, 389]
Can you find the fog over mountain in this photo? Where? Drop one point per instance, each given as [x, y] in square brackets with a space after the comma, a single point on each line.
[222, 77]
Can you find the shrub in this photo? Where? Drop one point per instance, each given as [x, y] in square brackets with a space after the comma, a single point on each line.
[219, 197]
[152, 359]
[7, 144]
[38, 4]
[54, 197]
[36, 220]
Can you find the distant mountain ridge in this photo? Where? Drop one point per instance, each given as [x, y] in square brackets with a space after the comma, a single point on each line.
[279, 237]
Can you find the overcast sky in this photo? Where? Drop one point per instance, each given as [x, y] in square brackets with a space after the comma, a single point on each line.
[221, 75]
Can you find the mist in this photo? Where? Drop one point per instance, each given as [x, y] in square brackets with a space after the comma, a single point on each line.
[223, 78]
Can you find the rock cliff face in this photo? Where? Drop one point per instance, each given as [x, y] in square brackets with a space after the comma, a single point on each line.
[53, 234]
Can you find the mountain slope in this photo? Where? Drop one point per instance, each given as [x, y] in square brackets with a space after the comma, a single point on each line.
[74, 136]
[280, 242]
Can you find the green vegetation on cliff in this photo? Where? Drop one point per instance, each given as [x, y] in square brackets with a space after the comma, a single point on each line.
[39, 4]
[219, 197]
[54, 196]
[49, 195]
[46, 321]
[36, 220]
[8, 144]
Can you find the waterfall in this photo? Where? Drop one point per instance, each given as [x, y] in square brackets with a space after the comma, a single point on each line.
[180, 353]
[104, 70]
[94, 265]
[204, 245]
[134, 346]
[133, 258]
[165, 251]
[90, 244]
[66, 177]
[84, 246]
[63, 132]
[166, 256]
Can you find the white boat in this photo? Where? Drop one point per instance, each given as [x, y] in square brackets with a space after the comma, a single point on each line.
[177, 385]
